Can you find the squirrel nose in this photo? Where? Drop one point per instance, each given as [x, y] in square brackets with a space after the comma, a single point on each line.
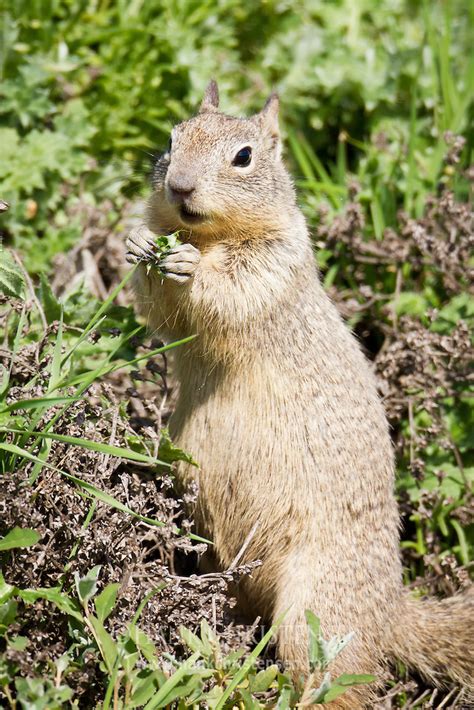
[181, 186]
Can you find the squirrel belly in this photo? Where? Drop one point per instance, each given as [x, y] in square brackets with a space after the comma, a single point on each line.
[280, 408]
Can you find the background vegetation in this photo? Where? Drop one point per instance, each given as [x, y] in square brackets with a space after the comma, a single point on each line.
[377, 108]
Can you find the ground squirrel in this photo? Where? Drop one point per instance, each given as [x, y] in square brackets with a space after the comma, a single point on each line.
[279, 406]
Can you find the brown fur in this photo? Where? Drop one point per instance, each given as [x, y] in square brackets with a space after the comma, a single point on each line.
[279, 407]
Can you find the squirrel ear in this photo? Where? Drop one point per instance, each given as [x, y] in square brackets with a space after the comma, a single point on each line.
[210, 101]
[269, 115]
[268, 121]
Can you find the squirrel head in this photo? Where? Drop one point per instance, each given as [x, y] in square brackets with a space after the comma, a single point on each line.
[223, 175]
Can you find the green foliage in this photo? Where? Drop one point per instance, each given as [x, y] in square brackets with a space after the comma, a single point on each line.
[19, 537]
[39, 694]
[135, 675]
[71, 367]
[163, 244]
[11, 278]
[321, 655]
[322, 652]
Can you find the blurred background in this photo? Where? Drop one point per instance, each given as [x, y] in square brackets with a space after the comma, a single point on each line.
[90, 89]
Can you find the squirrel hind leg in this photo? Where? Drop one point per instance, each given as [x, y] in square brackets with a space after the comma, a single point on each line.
[339, 616]
[291, 649]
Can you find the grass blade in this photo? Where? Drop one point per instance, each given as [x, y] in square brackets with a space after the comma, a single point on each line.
[172, 681]
[37, 403]
[19, 537]
[89, 377]
[88, 487]
[15, 348]
[98, 446]
[100, 313]
[247, 664]
[57, 354]
[92, 490]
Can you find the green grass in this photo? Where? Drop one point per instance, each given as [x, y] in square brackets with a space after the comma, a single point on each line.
[134, 670]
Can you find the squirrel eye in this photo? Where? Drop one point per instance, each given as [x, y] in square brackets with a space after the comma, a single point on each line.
[243, 157]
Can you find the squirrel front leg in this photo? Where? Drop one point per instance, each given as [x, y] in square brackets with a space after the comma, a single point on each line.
[178, 264]
[159, 289]
[223, 295]
[234, 288]
[236, 291]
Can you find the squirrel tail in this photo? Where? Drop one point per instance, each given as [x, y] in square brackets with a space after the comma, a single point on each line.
[437, 638]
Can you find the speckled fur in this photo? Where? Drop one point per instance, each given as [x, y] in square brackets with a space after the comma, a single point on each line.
[279, 407]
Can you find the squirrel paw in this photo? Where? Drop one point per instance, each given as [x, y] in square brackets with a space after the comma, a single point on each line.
[140, 245]
[180, 263]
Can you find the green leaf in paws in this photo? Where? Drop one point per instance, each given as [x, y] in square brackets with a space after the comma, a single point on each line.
[166, 242]
[163, 245]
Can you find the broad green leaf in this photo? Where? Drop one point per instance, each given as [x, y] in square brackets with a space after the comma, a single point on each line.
[86, 586]
[263, 680]
[326, 695]
[410, 303]
[249, 702]
[183, 689]
[6, 590]
[63, 662]
[19, 537]
[316, 649]
[248, 663]
[144, 644]
[192, 641]
[55, 596]
[146, 686]
[41, 694]
[18, 643]
[209, 639]
[51, 305]
[159, 700]
[105, 601]
[319, 695]
[169, 452]
[128, 660]
[334, 646]
[107, 645]
[11, 277]
[330, 690]
[284, 699]
[8, 614]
